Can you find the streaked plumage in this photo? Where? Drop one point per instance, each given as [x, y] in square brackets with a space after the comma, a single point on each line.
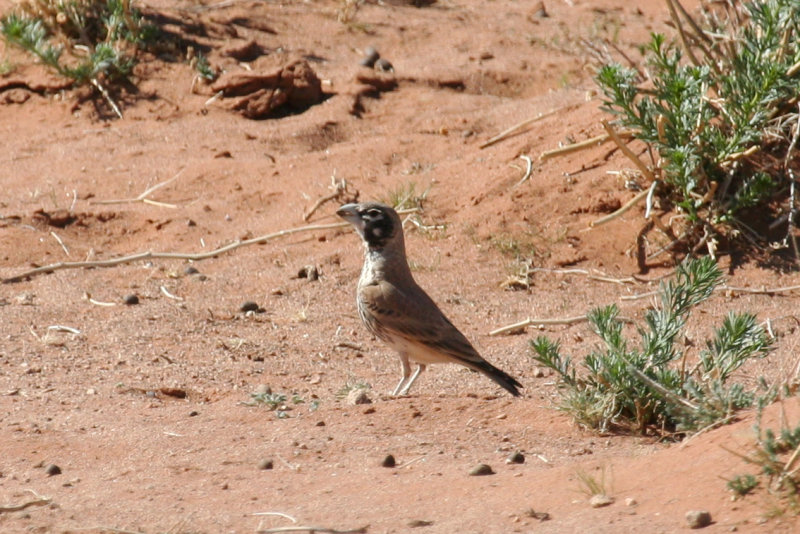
[398, 311]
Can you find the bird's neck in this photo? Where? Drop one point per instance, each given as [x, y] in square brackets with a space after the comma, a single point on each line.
[381, 262]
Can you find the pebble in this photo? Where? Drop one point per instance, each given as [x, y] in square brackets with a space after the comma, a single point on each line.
[515, 458]
[698, 518]
[52, 470]
[630, 501]
[389, 461]
[481, 470]
[131, 300]
[599, 500]
[249, 306]
[265, 464]
[190, 269]
[384, 65]
[370, 57]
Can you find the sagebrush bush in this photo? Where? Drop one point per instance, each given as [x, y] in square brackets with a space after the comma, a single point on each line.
[718, 111]
[651, 386]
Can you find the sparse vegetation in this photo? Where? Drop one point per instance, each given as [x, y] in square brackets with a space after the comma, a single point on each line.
[279, 403]
[88, 41]
[719, 116]
[641, 388]
[777, 457]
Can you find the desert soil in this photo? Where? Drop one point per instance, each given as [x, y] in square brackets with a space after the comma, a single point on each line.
[146, 409]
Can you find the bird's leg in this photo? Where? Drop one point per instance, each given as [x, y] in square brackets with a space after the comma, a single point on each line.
[406, 370]
[420, 368]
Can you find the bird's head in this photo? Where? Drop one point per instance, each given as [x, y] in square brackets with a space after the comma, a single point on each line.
[377, 224]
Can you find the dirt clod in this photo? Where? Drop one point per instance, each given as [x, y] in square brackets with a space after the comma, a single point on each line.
[600, 500]
[131, 300]
[266, 464]
[515, 457]
[388, 461]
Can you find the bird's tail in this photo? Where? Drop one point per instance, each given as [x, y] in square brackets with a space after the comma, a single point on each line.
[503, 379]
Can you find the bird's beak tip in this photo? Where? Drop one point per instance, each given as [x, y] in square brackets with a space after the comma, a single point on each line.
[346, 210]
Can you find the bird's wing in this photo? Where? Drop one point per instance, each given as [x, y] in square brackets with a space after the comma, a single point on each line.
[411, 314]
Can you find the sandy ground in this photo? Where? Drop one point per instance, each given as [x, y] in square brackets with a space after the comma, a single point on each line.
[146, 408]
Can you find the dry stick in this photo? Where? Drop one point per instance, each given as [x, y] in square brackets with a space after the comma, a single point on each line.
[143, 197]
[517, 127]
[312, 530]
[748, 290]
[615, 136]
[588, 143]
[107, 96]
[528, 170]
[628, 205]
[170, 255]
[684, 41]
[60, 242]
[529, 321]
[38, 501]
[792, 186]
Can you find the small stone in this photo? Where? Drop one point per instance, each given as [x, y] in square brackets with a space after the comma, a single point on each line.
[698, 518]
[358, 396]
[265, 464]
[194, 413]
[190, 269]
[249, 306]
[309, 271]
[538, 372]
[131, 300]
[389, 461]
[52, 470]
[416, 523]
[370, 57]
[630, 501]
[383, 65]
[91, 391]
[320, 423]
[481, 470]
[600, 500]
[515, 457]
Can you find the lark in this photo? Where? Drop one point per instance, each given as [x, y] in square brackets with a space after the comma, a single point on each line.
[399, 312]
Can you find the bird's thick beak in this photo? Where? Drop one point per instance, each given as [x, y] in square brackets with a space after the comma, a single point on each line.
[349, 212]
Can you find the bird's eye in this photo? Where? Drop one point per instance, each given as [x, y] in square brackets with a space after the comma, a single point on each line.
[374, 213]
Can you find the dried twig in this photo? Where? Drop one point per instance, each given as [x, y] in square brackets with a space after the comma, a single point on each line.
[628, 205]
[587, 143]
[107, 96]
[339, 193]
[647, 173]
[518, 127]
[312, 530]
[60, 242]
[38, 501]
[528, 170]
[170, 255]
[527, 322]
[143, 197]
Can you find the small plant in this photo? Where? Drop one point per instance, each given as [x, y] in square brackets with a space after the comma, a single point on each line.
[777, 456]
[351, 385]
[718, 113]
[88, 41]
[204, 68]
[623, 386]
[742, 485]
[592, 485]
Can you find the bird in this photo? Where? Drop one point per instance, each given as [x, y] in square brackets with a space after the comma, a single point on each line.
[398, 311]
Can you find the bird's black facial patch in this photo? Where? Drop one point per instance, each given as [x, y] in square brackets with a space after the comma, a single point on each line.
[378, 226]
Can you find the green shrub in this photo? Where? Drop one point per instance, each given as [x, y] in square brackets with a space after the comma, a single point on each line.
[717, 112]
[623, 386]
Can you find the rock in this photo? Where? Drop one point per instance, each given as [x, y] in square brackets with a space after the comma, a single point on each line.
[388, 461]
[262, 389]
[698, 518]
[52, 470]
[250, 306]
[309, 271]
[370, 57]
[265, 464]
[131, 300]
[357, 396]
[384, 65]
[630, 501]
[600, 500]
[190, 269]
[481, 470]
[515, 457]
